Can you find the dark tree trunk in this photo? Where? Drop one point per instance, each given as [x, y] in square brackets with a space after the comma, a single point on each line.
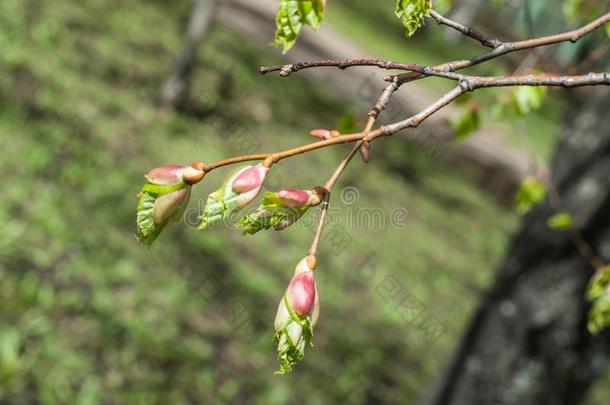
[528, 342]
[175, 92]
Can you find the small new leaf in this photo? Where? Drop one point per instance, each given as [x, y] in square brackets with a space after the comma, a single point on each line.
[528, 98]
[598, 293]
[147, 229]
[560, 222]
[469, 122]
[412, 13]
[271, 214]
[290, 352]
[222, 202]
[531, 193]
[292, 15]
[599, 315]
[599, 284]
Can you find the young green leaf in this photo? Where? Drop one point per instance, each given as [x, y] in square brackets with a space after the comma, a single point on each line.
[469, 122]
[280, 210]
[531, 193]
[598, 293]
[162, 199]
[560, 222]
[528, 98]
[292, 15]
[412, 13]
[442, 6]
[599, 315]
[599, 284]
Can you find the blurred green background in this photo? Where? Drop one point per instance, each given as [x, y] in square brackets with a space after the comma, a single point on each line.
[87, 316]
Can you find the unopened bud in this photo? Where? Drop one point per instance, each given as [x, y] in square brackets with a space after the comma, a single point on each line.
[250, 179]
[320, 133]
[293, 198]
[296, 316]
[248, 183]
[364, 152]
[166, 175]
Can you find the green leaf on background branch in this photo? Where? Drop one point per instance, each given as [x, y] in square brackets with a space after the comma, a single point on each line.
[598, 293]
[292, 15]
[347, 124]
[528, 98]
[560, 222]
[469, 122]
[531, 193]
[412, 13]
[442, 6]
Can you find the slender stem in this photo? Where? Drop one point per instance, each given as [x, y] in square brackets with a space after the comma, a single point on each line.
[379, 106]
[466, 83]
[286, 70]
[313, 250]
[509, 47]
[467, 31]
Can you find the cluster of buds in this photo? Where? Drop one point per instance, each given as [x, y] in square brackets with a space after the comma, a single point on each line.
[297, 314]
[164, 198]
[282, 209]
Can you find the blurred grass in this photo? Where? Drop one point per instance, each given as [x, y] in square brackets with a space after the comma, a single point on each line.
[87, 316]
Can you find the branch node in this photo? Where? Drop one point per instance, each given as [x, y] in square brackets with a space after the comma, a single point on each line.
[466, 85]
[286, 70]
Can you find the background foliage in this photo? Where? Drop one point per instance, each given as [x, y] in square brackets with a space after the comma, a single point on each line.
[87, 316]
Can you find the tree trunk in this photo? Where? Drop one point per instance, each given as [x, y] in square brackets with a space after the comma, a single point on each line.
[528, 342]
[175, 92]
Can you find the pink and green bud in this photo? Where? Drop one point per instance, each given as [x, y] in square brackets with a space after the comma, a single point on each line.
[164, 197]
[237, 191]
[282, 209]
[301, 293]
[248, 184]
[296, 316]
[293, 198]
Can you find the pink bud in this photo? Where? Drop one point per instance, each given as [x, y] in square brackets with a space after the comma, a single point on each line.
[250, 179]
[293, 198]
[166, 175]
[320, 133]
[364, 151]
[301, 293]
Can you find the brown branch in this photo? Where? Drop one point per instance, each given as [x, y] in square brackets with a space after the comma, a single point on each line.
[466, 83]
[467, 31]
[567, 81]
[509, 47]
[379, 106]
[286, 70]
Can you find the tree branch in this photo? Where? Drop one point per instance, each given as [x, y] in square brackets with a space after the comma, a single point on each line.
[286, 70]
[467, 31]
[509, 47]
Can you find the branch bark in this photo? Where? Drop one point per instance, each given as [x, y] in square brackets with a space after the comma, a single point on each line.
[175, 92]
[528, 343]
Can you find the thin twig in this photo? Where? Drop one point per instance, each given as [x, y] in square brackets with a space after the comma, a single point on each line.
[509, 47]
[467, 31]
[379, 106]
[286, 70]
[466, 83]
